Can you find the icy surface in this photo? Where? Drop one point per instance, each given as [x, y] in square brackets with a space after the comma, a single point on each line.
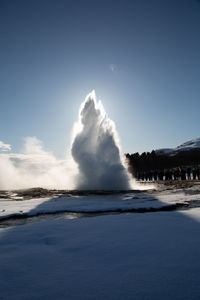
[96, 203]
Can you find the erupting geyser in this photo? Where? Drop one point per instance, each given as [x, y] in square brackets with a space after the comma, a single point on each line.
[96, 150]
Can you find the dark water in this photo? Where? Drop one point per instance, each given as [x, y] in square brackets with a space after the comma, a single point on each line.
[41, 217]
[24, 220]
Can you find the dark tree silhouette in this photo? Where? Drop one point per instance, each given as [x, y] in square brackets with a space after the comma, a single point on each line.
[158, 166]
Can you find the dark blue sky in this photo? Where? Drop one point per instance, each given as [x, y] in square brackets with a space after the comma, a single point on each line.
[142, 57]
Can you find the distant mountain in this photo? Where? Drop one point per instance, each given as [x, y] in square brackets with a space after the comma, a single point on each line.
[190, 145]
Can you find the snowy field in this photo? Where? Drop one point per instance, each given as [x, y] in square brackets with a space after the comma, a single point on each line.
[24, 204]
[152, 255]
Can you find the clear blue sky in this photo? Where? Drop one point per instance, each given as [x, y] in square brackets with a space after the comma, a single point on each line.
[142, 57]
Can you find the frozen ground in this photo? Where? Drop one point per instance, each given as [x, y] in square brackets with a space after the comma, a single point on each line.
[29, 203]
[152, 255]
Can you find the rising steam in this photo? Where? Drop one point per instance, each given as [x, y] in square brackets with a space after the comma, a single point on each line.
[96, 150]
[96, 164]
[35, 167]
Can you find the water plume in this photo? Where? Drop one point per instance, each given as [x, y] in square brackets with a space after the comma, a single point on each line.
[96, 149]
[95, 160]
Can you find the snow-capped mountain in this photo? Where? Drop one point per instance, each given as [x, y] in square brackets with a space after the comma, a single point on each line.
[190, 145]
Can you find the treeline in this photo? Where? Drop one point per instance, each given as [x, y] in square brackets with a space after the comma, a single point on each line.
[160, 166]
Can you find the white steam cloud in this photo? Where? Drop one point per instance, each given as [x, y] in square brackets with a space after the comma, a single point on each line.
[97, 162]
[4, 147]
[35, 167]
[96, 150]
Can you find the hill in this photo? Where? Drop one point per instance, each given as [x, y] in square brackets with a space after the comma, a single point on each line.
[187, 146]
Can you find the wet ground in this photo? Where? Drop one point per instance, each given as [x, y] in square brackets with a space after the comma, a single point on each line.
[188, 187]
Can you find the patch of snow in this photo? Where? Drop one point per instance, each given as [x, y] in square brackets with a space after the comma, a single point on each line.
[95, 203]
[190, 145]
[140, 256]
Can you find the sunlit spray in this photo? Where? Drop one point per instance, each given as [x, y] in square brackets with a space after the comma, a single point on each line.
[96, 149]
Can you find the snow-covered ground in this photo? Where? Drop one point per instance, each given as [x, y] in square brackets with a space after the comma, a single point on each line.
[124, 256]
[97, 203]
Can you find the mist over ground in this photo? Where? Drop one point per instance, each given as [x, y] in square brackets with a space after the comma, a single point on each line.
[35, 167]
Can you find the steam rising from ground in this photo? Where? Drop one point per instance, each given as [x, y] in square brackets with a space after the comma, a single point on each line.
[35, 167]
[96, 164]
[96, 149]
